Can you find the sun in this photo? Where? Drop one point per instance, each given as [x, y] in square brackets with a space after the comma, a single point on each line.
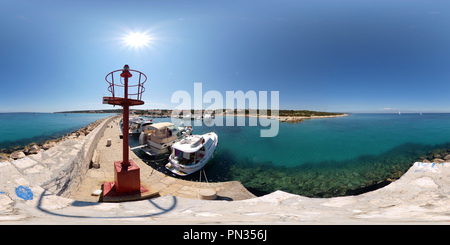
[137, 39]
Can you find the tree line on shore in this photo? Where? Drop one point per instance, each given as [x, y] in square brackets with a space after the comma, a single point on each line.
[281, 113]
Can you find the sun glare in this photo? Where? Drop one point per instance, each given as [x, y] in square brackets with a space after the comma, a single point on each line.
[137, 39]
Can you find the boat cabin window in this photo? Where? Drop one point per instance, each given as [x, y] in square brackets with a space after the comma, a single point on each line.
[187, 155]
[184, 155]
[173, 127]
[178, 153]
[149, 129]
[163, 133]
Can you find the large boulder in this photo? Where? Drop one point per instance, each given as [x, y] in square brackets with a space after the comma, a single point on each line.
[48, 145]
[437, 160]
[3, 158]
[34, 149]
[17, 155]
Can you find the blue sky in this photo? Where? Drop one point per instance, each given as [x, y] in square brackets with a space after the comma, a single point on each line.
[340, 55]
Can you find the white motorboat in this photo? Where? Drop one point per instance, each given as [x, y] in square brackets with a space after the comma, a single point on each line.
[192, 153]
[158, 137]
[137, 124]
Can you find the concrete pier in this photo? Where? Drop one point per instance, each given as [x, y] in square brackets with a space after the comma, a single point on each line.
[50, 188]
[150, 178]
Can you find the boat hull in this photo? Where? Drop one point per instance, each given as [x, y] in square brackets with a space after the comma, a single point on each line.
[183, 170]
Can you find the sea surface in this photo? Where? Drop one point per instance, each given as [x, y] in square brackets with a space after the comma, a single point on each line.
[21, 129]
[316, 158]
[321, 157]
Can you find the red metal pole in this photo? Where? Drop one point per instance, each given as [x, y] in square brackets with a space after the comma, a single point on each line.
[126, 115]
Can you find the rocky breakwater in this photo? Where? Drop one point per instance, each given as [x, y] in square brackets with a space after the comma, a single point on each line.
[290, 119]
[436, 156]
[297, 119]
[19, 152]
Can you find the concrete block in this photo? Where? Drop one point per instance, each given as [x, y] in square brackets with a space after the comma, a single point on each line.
[207, 194]
[97, 193]
[96, 160]
[96, 165]
[127, 178]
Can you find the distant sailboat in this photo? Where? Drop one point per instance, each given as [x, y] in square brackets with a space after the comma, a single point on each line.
[421, 114]
[399, 113]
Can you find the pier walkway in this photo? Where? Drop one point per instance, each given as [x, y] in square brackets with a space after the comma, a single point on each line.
[151, 179]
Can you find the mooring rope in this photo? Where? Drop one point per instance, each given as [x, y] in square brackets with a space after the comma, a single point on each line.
[200, 184]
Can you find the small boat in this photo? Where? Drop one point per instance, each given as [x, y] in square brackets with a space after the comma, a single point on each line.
[208, 116]
[137, 124]
[187, 116]
[192, 153]
[158, 137]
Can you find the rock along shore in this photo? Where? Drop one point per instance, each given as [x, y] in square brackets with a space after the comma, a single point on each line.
[296, 119]
[19, 152]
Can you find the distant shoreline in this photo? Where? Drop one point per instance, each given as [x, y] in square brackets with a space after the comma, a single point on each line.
[90, 111]
[311, 117]
[295, 118]
[292, 116]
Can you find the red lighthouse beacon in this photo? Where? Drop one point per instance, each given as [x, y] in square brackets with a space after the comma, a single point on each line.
[127, 182]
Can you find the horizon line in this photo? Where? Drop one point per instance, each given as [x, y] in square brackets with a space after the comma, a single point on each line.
[348, 112]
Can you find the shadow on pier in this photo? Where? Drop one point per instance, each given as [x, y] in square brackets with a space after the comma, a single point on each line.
[151, 204]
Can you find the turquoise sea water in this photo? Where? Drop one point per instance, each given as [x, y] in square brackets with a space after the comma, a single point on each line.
[324, 157]
[317, 157]
[20, 129]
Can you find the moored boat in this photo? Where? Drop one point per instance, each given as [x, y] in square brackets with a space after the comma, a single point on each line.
[192, 153]
[157, 138]
[138, 124]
